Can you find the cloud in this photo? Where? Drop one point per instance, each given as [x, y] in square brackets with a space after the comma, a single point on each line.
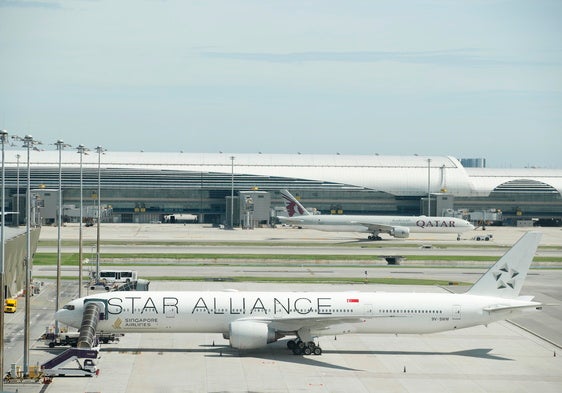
[30, 4]
[459, 57]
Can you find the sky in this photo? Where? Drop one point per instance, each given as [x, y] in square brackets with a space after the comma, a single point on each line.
[429, 77]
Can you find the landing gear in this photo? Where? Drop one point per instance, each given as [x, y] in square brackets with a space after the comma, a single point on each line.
[374, 237]
[299, 347]
[458, 237]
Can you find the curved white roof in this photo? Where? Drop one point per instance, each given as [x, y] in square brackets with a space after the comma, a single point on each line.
[397, 175]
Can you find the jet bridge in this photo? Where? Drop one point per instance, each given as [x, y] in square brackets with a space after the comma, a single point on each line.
[90, 319]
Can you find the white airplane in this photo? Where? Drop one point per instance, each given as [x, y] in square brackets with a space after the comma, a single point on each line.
[397, 226]
[253, 319]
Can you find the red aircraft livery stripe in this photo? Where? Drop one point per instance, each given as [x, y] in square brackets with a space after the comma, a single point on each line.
[353, 300]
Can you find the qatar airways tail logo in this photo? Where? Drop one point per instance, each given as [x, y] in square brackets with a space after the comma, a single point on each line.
[290, 205]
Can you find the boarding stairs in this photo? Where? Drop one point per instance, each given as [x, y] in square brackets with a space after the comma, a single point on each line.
[84, 358]
[84, 354]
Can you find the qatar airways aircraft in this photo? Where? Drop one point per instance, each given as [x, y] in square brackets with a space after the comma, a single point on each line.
[397, 226]
[254, 319]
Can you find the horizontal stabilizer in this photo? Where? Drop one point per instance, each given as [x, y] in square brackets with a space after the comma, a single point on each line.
[506, 307]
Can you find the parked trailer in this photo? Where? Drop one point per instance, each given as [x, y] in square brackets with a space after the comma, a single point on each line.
[71, 338]
[484, 237]
[108, 337]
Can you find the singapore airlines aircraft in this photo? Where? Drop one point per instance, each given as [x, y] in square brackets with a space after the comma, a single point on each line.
[254, 319]
[397, 226]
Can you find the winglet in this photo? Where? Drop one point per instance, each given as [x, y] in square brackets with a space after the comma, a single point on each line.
[292, 205]
[505, 278]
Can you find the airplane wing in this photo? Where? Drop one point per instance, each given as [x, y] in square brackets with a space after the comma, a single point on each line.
[392, 230]
[294, 324]
[372, 227]
[316, 324]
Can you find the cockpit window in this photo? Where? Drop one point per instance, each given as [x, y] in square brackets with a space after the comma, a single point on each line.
[69, 307]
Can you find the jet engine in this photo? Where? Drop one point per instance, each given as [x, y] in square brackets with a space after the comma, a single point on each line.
[401, 232]
[250, 334]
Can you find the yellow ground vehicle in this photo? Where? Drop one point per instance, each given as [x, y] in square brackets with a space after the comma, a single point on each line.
[10, 305]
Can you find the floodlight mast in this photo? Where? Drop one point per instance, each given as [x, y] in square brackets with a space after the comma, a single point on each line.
[232, 192]
[100, 150]
[60, 145]
[81, 150]
[29, 143]
[3, 139]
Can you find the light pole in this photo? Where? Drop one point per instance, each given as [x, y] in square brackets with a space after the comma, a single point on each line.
[429, 187]
[81, 150]
[100, 151]
[3, 138]
[29, 143]
[231, 192]
[60, 145]
[18, 191]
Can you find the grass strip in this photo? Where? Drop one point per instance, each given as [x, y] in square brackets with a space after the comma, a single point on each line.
[295, 280]
[350, 244]
[71, 259]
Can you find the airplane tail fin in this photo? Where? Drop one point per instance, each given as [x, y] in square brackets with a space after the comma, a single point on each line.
[292, 205]
[505, 278]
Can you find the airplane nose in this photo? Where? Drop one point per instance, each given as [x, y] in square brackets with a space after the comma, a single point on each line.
[65, 316]
[59, 315]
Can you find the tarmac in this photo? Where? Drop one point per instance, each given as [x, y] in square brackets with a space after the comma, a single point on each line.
[502, 357]
[201, 234]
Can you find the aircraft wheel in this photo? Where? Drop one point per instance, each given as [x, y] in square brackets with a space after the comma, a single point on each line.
[307, 351]
[297, 351]
[301, 345]
[317, 351]
[291, 344]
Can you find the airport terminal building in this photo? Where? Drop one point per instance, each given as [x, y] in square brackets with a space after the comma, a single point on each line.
[147, 187]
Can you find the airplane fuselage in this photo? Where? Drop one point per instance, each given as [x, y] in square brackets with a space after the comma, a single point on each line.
[356, 312]
[348, 223]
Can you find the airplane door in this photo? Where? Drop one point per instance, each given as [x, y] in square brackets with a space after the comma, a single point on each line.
[368, 309]
[170, 312]
[456, 312]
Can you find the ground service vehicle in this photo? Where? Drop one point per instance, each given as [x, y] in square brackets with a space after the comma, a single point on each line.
[10, 305]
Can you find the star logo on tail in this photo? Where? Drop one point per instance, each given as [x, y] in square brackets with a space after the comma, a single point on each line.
[505, 277]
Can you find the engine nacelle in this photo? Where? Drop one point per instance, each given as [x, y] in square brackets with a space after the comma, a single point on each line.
[250, 334]
[400, 232]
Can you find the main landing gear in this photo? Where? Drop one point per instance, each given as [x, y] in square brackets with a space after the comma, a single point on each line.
[299, 347]
[374, 237]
